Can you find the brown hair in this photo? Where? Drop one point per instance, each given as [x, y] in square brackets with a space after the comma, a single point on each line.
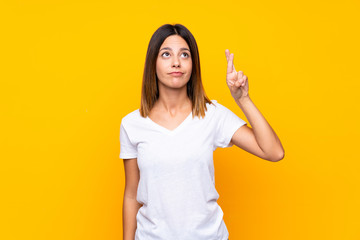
[150, 89]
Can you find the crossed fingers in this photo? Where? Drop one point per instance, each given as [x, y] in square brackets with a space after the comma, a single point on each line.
[241, 78]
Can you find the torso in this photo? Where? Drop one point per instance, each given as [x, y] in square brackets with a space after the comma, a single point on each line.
[177, 182]
[166, 120]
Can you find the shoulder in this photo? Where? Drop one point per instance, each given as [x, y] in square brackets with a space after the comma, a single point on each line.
[131, 118]
[215, 106]
[213, 109]
[132, 115]
[218, 110]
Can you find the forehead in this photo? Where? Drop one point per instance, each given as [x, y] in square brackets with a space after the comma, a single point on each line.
[174, 41]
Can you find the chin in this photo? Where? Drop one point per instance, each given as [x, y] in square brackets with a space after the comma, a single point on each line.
[177, 86]
[175, 83]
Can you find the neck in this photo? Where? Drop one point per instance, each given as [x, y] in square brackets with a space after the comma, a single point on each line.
[173, 100]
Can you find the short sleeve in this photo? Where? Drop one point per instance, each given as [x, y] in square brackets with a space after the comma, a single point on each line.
[227, 124]
[127, 148]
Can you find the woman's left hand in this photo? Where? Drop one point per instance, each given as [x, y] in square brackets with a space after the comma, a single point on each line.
[236, 81]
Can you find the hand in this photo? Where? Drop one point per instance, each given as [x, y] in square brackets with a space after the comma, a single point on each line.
[236, 81]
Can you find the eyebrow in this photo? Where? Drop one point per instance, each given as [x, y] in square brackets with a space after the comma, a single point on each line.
[167, 48]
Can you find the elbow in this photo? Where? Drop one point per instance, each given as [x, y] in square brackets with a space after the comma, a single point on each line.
[277, 157]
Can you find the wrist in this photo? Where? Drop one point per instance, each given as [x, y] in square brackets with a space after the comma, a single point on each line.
[243, 100]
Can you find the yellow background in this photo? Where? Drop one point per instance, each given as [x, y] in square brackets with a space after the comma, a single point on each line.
[70, 70]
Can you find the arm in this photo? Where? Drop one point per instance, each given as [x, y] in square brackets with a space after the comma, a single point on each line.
[130, 204]
[260, 140]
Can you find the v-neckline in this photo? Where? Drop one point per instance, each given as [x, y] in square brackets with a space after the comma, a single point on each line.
[168, 131]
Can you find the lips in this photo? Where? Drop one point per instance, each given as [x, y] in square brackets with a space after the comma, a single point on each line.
[176, 74]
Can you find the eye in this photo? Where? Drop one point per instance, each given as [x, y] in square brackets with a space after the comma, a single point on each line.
[165, 54]
[185, 54]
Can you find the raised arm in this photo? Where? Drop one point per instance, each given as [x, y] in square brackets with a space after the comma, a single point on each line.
[260, 140]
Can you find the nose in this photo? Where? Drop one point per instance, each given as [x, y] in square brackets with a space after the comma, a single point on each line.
[176, 62]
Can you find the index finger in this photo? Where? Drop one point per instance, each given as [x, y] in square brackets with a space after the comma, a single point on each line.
[227, 52]
[230, 63]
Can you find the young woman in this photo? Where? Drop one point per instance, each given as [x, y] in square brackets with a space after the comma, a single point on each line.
[167, 145]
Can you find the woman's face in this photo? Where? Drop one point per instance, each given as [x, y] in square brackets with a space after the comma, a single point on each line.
[174, 64]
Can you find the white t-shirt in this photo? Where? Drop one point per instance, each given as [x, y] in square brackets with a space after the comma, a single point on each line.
[177, 184]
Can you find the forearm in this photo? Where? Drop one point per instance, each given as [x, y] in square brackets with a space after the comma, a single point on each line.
[130, 209]
[265, 136]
